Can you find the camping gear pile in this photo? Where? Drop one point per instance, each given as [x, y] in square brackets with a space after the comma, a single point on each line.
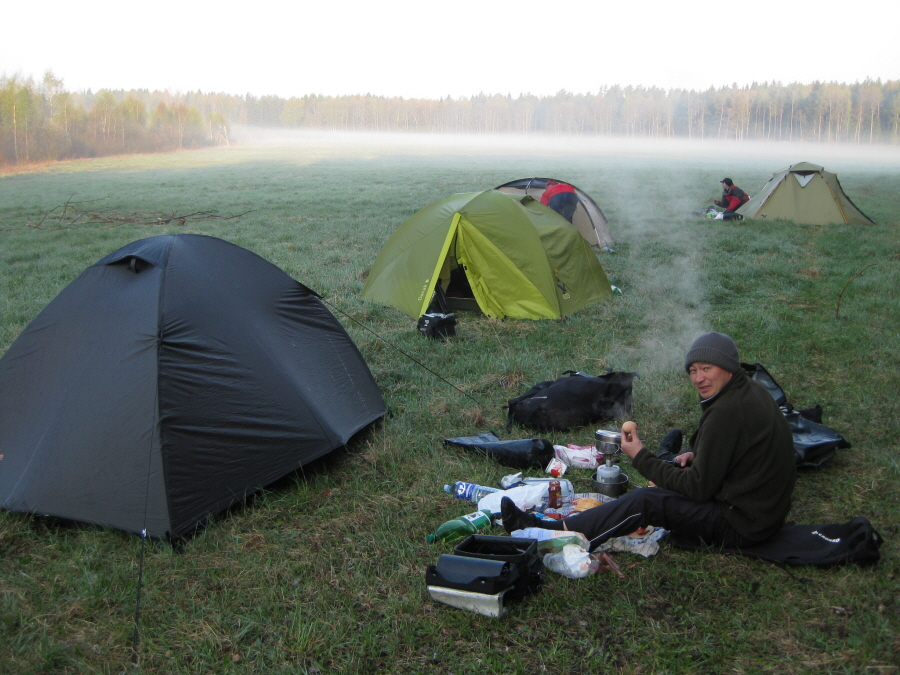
[853, 542]
[490, 589]
[713, 213]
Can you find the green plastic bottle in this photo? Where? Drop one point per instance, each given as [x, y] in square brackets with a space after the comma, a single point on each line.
[461, 527]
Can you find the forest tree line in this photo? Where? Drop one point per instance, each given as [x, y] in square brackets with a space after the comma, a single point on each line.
[42, 121]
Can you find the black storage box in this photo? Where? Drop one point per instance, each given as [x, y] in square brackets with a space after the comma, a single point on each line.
[520, 552]
[486, 572]
[509, 549]
[476, 575]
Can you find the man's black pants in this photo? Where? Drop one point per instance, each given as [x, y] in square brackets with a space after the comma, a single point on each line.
[653, 506]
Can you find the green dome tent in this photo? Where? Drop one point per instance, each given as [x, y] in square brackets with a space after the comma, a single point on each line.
[513, 255]
[806, 194]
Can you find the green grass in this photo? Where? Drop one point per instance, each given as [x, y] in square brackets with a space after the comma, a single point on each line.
[324, 572]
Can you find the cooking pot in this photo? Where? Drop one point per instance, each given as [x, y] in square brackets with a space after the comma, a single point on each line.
[608, 442]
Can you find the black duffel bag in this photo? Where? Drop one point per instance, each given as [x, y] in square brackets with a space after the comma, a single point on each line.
[575, 400]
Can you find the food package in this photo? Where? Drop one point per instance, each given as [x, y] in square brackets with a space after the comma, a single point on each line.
[577, 456]
[556, 467]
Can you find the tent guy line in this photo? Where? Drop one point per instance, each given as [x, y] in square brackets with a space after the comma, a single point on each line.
[397, 349]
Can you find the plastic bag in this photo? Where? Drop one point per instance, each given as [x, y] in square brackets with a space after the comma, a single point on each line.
[577, 456]
[552, 540]
[572, 561]
[524, 496]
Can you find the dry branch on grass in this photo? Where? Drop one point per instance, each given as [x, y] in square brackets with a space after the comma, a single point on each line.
[72, 214]
[837, 308]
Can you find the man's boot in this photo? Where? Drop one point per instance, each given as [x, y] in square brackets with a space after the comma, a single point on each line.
[514, 518]
[670, 447]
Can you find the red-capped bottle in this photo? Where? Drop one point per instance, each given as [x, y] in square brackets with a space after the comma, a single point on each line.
[554, 494]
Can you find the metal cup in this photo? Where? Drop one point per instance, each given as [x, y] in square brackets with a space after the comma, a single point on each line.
[608, 442]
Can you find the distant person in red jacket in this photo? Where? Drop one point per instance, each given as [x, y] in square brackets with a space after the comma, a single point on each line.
[561, 198]
[732, 196]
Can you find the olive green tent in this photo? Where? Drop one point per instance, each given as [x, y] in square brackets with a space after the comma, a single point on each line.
[806, 194]
[516, 257]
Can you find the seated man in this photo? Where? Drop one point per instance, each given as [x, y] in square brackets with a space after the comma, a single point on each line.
[732, 489]
[732, 197]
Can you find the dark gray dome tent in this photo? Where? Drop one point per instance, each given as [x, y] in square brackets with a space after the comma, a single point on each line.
[168, 381]
[588, 219]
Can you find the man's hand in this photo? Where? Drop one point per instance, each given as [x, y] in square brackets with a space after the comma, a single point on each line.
[685, 459]
[631, 443]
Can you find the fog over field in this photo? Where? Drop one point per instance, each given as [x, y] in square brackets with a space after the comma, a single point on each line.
[833, 155]
[645, 187]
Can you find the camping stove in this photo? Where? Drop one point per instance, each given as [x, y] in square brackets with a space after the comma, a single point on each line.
[610, 480]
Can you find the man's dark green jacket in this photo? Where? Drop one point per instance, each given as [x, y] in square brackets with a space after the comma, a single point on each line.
[744, 459]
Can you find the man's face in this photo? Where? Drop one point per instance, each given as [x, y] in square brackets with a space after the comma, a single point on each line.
[708, 379]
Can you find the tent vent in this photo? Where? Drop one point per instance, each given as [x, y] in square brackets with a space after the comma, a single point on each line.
[137, 265]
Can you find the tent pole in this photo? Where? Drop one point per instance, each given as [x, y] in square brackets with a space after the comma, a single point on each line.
[435, 276]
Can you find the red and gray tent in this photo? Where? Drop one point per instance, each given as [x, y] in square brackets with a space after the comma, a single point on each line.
[588, 218]
[170, 380]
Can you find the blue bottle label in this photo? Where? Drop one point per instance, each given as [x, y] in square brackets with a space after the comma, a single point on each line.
[465, 490]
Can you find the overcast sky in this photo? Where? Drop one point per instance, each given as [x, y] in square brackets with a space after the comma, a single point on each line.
[428, 49]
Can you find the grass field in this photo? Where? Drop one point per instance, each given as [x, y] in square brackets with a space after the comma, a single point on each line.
[324, 572]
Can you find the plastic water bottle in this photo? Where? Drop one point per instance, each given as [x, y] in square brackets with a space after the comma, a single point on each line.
[469, 491]
[461, 527]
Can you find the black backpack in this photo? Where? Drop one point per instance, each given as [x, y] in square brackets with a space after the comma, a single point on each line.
[814, 443]
[855, 541]
[575, 400]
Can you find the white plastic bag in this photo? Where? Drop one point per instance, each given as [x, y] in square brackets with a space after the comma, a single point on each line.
[524, 496]
[572, 562]
[576, 456]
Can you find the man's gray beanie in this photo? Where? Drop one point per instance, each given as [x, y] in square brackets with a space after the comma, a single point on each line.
[715, 348]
